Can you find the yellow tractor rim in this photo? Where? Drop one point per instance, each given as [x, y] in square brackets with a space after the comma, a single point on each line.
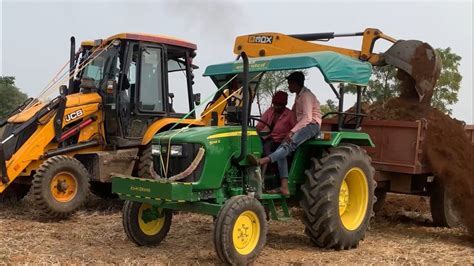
[246, 232]
[353, 198]
[150, 228]
[63, 187]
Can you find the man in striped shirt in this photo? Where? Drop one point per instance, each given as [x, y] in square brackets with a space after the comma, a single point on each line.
[308, 117]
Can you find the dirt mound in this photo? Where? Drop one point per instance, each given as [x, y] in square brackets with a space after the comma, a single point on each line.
[447, 147]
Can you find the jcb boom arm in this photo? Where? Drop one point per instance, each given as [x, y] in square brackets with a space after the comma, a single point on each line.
[404, 55]
[270, 43]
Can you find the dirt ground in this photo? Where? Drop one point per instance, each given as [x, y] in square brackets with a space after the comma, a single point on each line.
[402, 233]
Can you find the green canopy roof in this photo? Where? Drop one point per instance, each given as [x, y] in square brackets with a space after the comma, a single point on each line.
[334, 67]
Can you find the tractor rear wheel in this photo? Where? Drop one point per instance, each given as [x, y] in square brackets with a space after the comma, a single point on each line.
[338, 197]
[240, 230]
[145, 225]
[60, 186]
[441, 207]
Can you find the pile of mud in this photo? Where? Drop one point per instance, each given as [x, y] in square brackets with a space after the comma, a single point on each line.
[447, 147]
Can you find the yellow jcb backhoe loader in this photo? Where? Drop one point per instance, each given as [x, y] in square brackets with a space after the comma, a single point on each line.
[120, 94]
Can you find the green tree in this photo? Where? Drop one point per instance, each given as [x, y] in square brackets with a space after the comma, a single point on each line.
[11, 96]
[272, 82]
[329, 106]
[384, 85]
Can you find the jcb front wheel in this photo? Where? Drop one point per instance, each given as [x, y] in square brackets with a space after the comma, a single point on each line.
[240, 230]
[60, 186]
[145, 224]
[338, 197]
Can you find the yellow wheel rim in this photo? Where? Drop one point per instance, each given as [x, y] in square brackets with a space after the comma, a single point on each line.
[63, 187]
[353, 198]
[246, 232]
[150, 228]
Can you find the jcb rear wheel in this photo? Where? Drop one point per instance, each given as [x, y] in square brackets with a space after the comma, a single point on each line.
[240, 230]
[60, 186]
[338, 197]
[143, 225]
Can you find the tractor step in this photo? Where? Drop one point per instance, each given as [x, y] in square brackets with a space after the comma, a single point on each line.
[270, 201]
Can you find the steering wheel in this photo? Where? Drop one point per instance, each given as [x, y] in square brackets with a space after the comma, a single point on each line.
[261, 134]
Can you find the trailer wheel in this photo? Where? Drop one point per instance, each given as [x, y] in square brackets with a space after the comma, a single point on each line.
[441, 207]
[380, 194]
[60, 186]
[143, 225]
[14, 192]
[145, 161]
[240, 230]
[338, 197]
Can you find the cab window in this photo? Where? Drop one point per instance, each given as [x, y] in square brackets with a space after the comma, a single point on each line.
[151, 85]
[178, 83]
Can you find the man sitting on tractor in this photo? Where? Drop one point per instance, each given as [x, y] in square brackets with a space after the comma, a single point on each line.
[275, 124]
[308, 117]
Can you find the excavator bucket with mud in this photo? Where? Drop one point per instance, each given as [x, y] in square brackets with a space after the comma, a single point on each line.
[420, 61]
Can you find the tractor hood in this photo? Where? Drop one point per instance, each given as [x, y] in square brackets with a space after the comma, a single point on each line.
[202, 135]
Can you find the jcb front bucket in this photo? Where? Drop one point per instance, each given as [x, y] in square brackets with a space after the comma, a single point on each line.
[420, 61]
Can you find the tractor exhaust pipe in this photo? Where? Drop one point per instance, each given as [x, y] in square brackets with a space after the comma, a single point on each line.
[245, 112]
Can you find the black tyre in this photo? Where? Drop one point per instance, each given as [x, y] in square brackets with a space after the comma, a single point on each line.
[14, 192]
[145, 162]
[102, 190]
[60, 186]
[143, 225]
[441, 207]
[240, 230]
[338, 197]
[380, 195]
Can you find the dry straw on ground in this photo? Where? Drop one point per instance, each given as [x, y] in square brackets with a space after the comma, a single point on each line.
[401, 234]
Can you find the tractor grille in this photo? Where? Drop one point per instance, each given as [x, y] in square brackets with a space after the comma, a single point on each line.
[178, 164]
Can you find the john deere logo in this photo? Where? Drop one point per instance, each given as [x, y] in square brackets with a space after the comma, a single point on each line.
[263, 39]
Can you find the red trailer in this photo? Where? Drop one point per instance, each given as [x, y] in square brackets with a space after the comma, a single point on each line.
[401, 164]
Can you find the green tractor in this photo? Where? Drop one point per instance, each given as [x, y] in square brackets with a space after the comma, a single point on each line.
[205, 169]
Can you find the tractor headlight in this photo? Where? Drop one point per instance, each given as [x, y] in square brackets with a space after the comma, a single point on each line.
[176, 150]
[155, 149]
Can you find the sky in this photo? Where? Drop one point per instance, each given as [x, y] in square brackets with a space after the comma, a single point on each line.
[35, 34]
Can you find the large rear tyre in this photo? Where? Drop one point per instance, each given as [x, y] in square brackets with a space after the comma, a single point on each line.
[441, 207]
[144, 224]
[60, 186]
[240, 231]
[338, 197]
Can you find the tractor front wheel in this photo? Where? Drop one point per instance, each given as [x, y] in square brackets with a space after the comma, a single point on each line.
[240, 230]
[60, 186]
[338, 197]
[145, 224]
